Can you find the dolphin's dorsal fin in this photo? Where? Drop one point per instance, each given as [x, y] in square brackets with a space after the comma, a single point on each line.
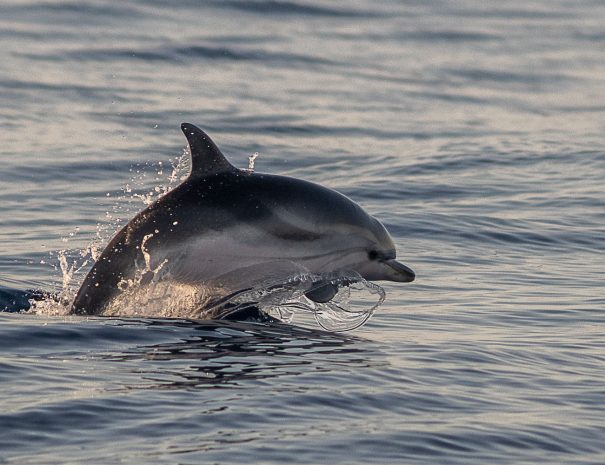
[206, 158]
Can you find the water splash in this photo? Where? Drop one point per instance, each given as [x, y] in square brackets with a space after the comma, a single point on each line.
[161, 299]
[354, 302]
[72, 263]
[251, 160]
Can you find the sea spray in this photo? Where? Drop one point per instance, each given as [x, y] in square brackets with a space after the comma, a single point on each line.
[73, 263]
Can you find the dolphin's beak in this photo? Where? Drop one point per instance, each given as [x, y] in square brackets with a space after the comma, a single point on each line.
[398, 272]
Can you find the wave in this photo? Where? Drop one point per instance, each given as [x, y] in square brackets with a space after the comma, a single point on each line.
[185, 54]
[289, 8]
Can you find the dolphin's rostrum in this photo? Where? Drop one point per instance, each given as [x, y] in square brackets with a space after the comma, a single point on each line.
[225, 228]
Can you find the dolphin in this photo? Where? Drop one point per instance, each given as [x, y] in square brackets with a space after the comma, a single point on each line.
[225, 228]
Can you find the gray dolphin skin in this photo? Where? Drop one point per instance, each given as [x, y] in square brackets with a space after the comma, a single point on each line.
[223, 225]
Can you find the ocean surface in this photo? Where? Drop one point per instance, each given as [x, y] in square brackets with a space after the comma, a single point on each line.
[474, 130]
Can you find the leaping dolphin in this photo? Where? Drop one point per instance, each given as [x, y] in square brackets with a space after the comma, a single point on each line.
[223, 225]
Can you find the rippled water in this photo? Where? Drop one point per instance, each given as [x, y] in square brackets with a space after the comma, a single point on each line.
[474, 130]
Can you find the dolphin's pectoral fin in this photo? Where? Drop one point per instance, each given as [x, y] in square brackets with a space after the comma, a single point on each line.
[206, 158]
[322, 292]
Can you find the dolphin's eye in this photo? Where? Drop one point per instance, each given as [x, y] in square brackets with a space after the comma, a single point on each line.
[372, 254]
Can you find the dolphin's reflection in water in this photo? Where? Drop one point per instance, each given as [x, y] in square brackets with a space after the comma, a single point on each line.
[216, 354]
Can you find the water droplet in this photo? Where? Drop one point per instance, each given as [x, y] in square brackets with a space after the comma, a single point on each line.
[251, 159]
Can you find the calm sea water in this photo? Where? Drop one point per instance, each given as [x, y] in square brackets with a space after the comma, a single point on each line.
[474, 130]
